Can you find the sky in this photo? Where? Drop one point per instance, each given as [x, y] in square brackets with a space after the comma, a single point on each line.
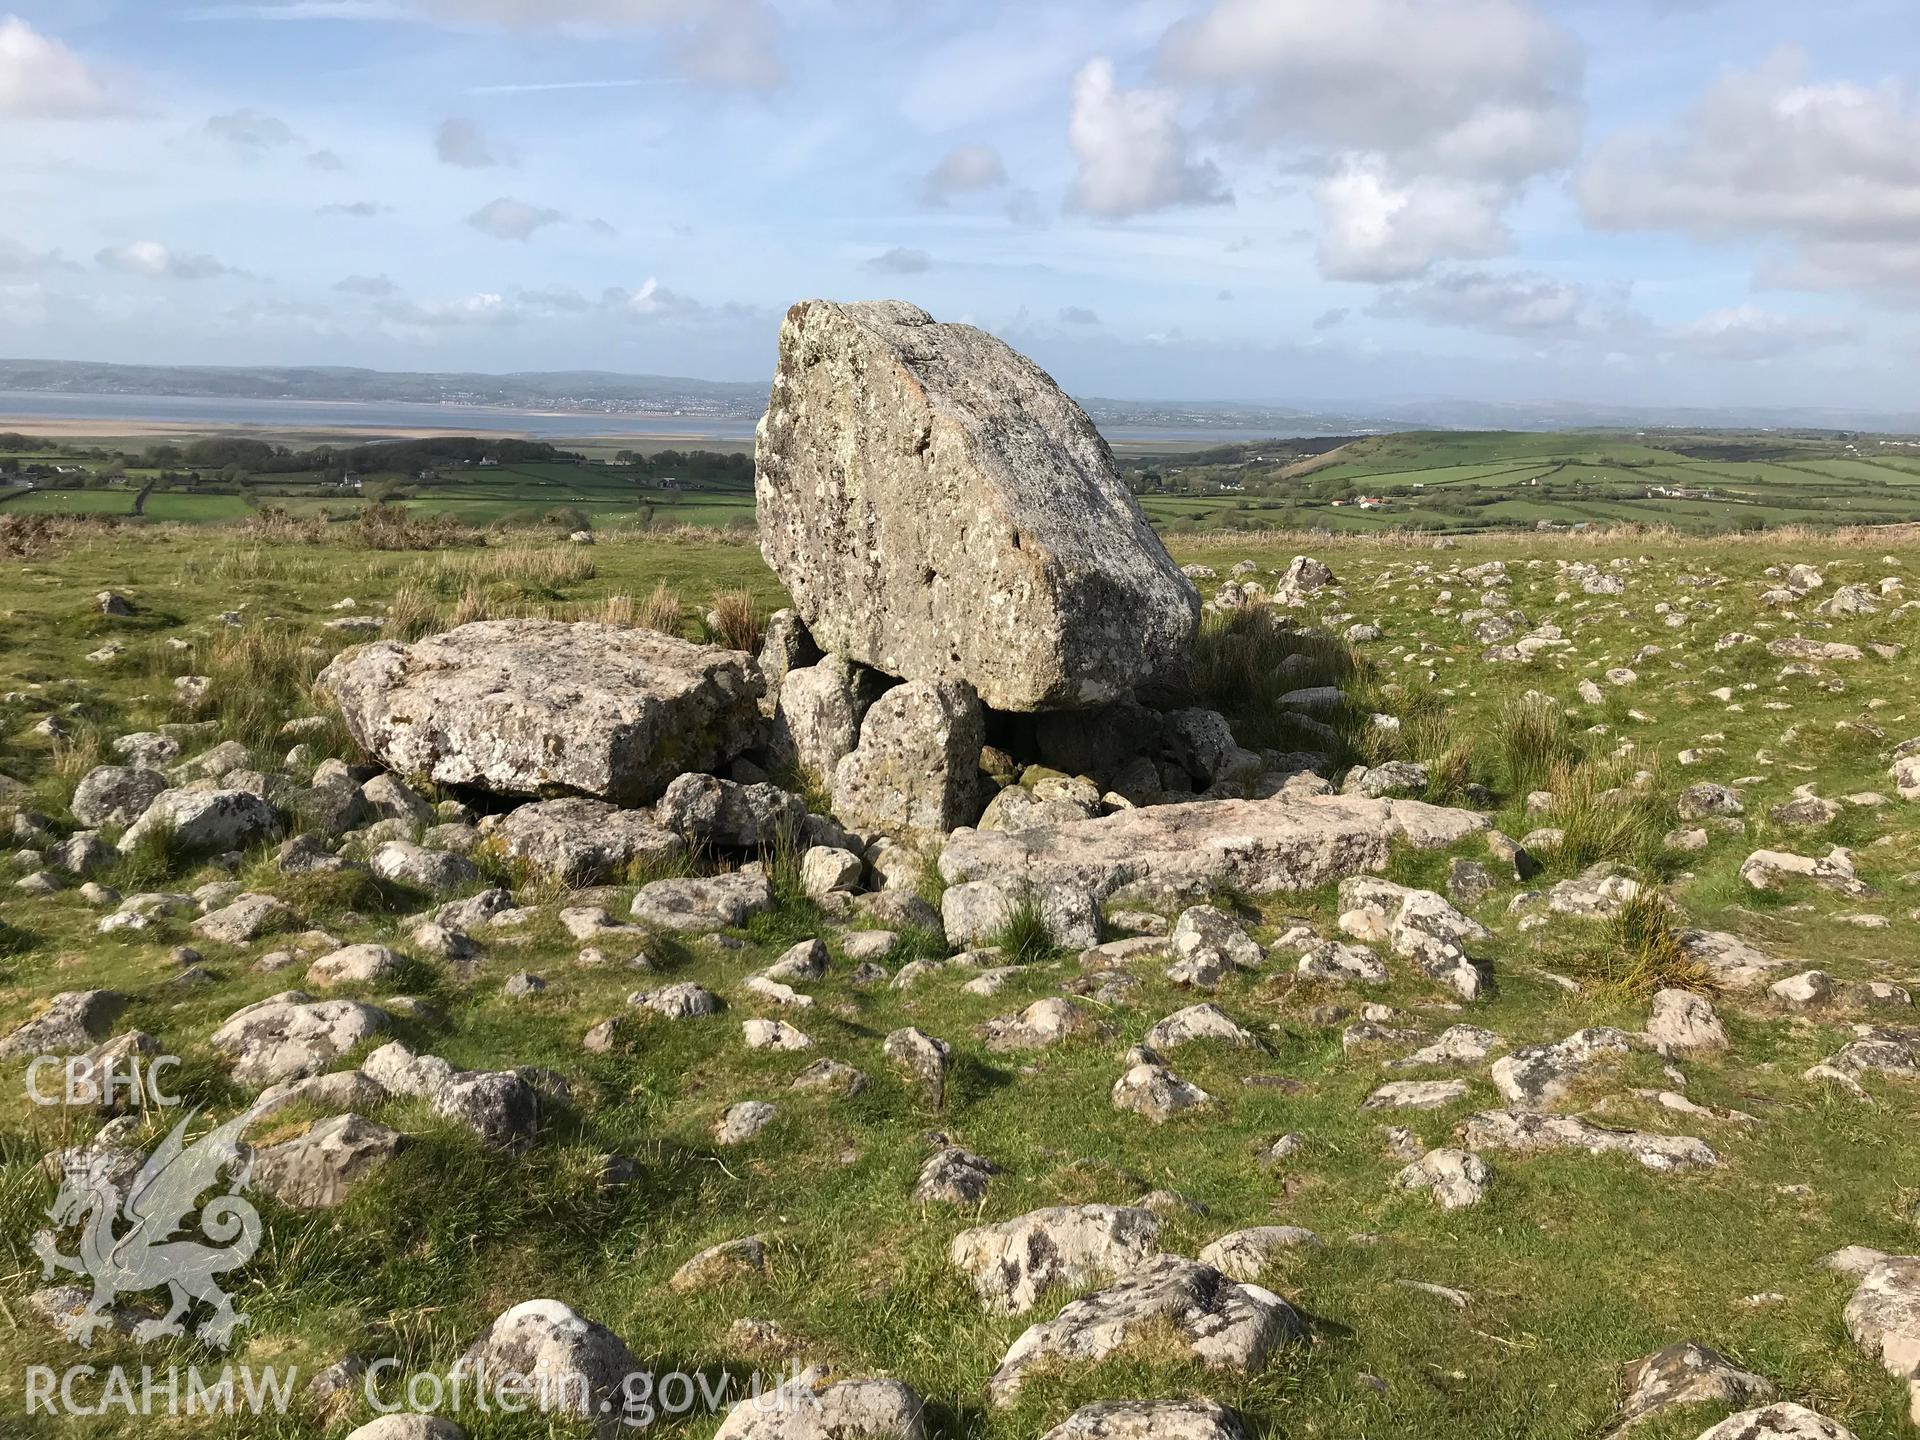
[1300, 202]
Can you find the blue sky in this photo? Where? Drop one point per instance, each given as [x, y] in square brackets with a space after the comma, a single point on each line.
[1298, 201]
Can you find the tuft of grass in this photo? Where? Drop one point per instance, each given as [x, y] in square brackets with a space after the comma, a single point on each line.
[471, 606]
[155, 858]
[736, 620]
[1024, 939]
[413, 613]
[1532, 738]
[662, 610]
[260, 677]
[1606, 817]
[1637, 953]
[1245, 660]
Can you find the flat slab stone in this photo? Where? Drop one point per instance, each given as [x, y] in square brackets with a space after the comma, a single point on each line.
[1167, 852]
[544, 707]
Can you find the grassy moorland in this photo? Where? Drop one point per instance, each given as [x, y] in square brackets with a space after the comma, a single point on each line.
[1573, 1267]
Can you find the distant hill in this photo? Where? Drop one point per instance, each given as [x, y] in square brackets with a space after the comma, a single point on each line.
[588, 391]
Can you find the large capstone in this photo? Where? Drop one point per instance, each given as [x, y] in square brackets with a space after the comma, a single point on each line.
[537, 707]
[940, 510]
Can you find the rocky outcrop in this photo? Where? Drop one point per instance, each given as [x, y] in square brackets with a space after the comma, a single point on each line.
[538, 707]
[940, 510]
[1221, 1324]
[1167, 852]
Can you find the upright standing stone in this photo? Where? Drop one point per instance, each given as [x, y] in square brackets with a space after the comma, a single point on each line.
[940, 510]
[915, 774]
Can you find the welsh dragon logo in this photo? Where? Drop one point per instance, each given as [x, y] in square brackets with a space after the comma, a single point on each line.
[158, 1206]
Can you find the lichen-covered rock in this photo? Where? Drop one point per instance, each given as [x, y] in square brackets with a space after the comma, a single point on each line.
[568, 1365]
[1014, 1262]
[1529, 1132]
[1222, 1324]
[1688, 1374]
[290, 1035]
[115, 794]
[701, 903]
[807, 1408]
[1167, 852]
[72, 1023]
[726, 815]
[317, 1170]
[1150, 1420]
[534, 707]
[583, 841]
[1883, 1317]
[1778, 1422]
[821, 707]
[205, 822]
[939, 510]
[1243, 1254]
[914, 775]
[1455, 1178]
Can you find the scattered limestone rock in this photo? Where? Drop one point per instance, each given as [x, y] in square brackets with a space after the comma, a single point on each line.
[807, 1408]
[1223, 1324]
[1244, 1254]
[1455, 1178]
[1162, 853]
[913, 775]
[317, 1170]
[582, 841]
[290, 1035]
[1012, 1263]
[569, 1366]
[1683, 1021]
[1688, 1373]
[1528, 1132]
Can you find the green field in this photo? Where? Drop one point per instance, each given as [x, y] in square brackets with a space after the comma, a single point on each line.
[1440, 481]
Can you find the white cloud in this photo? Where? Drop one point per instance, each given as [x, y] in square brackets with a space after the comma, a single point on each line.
[1378, 229]
[461, 142]
[1472, 87]
[326, 160]
[155, 261]
[1078, 315]
[1522, 304]
[510, 219]
[901, 260]
[1133, 154]
[1831, 172]
[486, 308]
[1748, 333]
[964, 170]
[354, 209]
[654, 301]
[252, 132]
[42, 79]
[1426, 118]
